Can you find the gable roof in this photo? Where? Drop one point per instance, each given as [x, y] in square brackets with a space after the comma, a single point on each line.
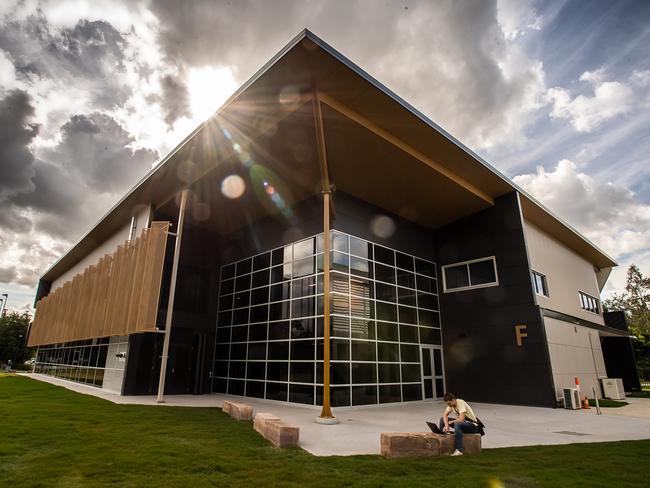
[307, 59]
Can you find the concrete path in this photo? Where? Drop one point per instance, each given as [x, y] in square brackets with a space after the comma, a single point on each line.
[637, 408]
[359, 428]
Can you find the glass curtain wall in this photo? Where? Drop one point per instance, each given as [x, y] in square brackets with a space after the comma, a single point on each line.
[269, 338]
[80, 361]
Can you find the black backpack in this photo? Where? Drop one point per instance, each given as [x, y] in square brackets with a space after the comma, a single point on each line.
[481, 426]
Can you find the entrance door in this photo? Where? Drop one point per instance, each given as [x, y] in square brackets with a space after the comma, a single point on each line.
[433, 380]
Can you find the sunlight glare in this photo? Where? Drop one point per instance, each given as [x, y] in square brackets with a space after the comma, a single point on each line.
[208, 88]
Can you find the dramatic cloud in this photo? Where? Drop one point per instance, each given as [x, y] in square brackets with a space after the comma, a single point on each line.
[609, 215]
[518, 16]
[610, 99]
[45, 199]
[88, 57]
[16, 133]
[31, 254]
[453, 60]
[454, 63]
[98, 150]
[175, 98]
[92, 92]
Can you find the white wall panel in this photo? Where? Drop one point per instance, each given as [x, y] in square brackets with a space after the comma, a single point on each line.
[106, 247]
[115, 366]
[574, 355]
[566, 273]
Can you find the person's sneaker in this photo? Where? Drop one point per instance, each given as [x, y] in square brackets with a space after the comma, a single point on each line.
[457, 453]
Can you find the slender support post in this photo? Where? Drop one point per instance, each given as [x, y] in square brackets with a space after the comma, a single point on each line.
[596, 400]
[326, 412]
[170, 301]
[326, 416]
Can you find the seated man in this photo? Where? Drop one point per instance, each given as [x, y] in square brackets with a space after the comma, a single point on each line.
[464, 422]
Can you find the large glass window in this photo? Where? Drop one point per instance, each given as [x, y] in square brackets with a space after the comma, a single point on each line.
[477, 273]
[81, 361]
[384, 304]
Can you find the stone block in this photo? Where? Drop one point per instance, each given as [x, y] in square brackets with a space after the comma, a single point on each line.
[226, 407]
[238, 411]
[425, 444]
[471, 443]
[281, 434]
[261, 418]
[409, 444]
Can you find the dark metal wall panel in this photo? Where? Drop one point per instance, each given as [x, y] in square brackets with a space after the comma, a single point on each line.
[620, 362]
[360, 218]
[482, 359]
[616, 320]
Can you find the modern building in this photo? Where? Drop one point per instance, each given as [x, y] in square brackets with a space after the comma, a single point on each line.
[439, 272]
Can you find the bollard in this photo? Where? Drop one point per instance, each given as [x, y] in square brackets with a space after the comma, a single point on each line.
[596, 400]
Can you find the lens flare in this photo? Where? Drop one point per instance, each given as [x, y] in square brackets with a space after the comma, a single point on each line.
[268, 186]
[290, 96]
[495, 483]
[382, 226]
[201, 211]
[233, 186]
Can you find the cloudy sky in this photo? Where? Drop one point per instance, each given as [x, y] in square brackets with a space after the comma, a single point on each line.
[94, 92]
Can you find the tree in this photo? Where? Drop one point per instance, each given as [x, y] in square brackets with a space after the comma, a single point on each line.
[635, 302]
[13, 332]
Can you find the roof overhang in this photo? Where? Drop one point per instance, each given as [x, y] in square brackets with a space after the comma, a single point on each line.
[379, 148]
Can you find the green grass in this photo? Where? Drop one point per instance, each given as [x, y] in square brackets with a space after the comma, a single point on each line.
[50, 436]
[639, 394]
[606, 403]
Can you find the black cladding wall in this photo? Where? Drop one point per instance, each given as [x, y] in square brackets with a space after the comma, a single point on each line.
[619, 361]
[482, 359]
[618, 353]
[353, 216]
[369, 222]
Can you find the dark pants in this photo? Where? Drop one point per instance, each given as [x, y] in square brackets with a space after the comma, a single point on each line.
[460, 429]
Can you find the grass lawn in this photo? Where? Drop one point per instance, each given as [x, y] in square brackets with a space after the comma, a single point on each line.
[53, 437]
[640, 394]
[607, 403]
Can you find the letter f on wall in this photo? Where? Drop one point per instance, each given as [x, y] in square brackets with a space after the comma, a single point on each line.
[520, 333]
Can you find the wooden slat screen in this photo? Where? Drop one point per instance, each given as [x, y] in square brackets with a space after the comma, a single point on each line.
[117, 296]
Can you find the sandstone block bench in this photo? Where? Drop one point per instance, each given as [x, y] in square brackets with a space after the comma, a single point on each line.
[424, 444]
[279, 433]
[238, 411]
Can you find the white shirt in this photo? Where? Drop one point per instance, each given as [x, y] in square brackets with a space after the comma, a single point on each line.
[462, 407]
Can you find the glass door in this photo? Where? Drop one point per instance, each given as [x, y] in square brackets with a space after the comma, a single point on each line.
[433, 380]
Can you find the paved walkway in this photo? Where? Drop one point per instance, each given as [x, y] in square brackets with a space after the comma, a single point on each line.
[359, 428]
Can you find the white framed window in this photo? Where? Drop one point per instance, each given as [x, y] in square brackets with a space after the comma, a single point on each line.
[539, 282]
[589, 303]
[467, 275]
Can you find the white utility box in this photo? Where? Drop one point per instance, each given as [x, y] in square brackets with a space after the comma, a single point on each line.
[572, 399]
[613, 388]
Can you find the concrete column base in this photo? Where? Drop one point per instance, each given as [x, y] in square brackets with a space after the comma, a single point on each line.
[326, 420]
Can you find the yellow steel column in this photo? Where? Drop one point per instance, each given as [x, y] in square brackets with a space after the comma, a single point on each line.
[326, 416]
[326, 412]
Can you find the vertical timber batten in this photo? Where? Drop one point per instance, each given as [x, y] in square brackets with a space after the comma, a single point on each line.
[170, 302]
[86, 306]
